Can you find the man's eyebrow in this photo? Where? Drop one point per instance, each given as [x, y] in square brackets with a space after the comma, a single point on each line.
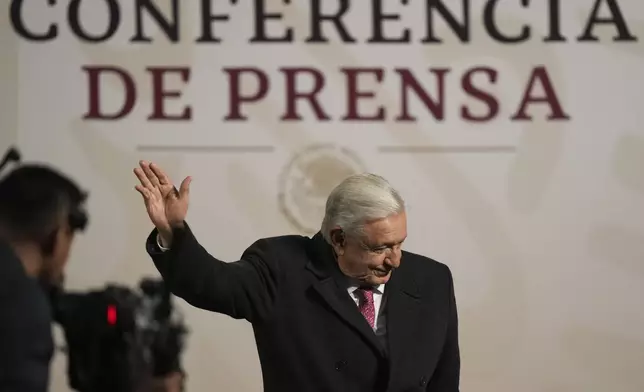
[390, 243]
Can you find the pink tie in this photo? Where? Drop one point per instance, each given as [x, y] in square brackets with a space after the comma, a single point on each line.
[367, 307]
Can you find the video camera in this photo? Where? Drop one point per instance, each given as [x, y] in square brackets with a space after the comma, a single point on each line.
[117, 338]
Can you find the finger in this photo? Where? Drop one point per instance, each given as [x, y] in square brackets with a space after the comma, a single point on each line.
[154, 180]
[143, 178]
[184, 189]
[144, 192]
[163, 178]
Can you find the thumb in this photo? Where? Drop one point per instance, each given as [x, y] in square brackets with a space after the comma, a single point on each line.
[184, 189]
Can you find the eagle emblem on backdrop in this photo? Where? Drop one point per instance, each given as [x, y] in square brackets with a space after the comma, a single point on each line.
[308, 178]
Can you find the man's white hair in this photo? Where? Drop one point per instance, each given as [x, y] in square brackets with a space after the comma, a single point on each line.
[358, 199]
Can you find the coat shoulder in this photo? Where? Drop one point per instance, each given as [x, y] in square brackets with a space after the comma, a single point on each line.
[291, 247]
[425, 267]
[289, 241]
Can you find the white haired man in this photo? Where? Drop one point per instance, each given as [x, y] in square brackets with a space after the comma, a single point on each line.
[345, 310]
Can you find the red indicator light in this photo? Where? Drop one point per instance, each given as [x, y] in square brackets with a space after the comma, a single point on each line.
[111, 314]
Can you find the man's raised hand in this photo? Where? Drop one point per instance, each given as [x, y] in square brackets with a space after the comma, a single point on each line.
[167, 207]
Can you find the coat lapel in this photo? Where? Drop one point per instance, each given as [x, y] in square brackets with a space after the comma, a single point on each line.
[330, 289]
[403, 318]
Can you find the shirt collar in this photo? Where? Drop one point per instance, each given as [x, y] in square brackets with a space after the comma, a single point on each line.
[380, 289]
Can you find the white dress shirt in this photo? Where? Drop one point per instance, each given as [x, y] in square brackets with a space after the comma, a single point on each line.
[163, 248]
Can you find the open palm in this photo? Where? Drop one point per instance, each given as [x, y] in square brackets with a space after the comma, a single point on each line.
[167, 207]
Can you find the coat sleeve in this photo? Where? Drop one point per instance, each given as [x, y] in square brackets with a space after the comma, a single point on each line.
[243, 289]
[446, 377]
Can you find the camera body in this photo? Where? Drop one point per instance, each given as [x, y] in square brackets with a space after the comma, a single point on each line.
[118, 338]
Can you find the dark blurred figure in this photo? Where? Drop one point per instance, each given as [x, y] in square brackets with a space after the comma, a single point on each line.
[121, 339]
[40, 211]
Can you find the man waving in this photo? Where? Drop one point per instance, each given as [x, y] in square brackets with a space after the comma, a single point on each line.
[344, 310]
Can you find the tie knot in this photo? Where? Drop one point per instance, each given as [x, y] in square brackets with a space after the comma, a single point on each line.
[366, 293]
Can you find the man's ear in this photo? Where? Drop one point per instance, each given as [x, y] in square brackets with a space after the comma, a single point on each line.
[57, 240]
[338, 241]
[49, 243]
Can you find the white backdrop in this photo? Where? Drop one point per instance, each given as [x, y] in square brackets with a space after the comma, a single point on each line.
[541, 221]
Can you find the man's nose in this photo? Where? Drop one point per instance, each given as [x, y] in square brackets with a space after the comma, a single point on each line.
[392, 260]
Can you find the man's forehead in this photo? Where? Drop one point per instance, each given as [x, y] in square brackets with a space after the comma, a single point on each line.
[392, 228]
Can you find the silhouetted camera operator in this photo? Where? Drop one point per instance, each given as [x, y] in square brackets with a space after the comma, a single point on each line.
[40, 212]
